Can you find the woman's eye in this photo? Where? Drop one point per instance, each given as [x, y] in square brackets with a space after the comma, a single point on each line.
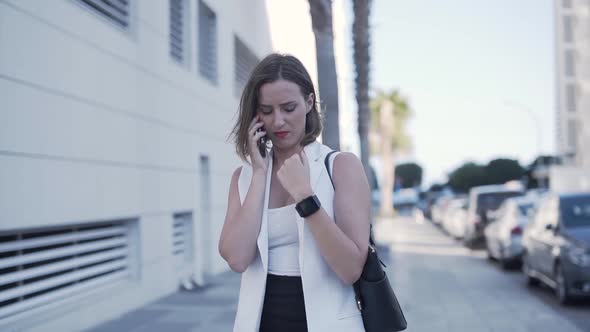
[265, 111]
[290, 109]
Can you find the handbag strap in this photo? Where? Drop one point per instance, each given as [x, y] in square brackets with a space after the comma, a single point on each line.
[327, 164]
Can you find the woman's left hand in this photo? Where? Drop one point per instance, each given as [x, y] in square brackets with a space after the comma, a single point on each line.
[294, 176]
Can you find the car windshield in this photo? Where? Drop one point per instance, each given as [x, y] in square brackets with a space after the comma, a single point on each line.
[575, 211]
[492, 201]
[524, 208]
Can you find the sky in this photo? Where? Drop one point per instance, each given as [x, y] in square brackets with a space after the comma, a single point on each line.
[479, 76]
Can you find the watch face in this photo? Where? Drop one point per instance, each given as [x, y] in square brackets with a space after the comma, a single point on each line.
[308, 206]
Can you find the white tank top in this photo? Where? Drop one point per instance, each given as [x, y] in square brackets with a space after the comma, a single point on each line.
[283, 241]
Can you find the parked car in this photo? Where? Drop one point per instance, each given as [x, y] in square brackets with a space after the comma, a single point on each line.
[439, 208]
[459, 220]
[406, 200]
[482, 201]
[454, 218]
[557, 245]
[504, 234]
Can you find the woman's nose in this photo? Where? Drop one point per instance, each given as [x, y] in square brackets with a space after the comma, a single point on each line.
[278, 120]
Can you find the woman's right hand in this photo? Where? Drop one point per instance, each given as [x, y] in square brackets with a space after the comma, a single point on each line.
[258, 162]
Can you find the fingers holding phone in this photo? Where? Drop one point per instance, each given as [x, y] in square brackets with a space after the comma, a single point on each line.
[262, 142]
[257, 144]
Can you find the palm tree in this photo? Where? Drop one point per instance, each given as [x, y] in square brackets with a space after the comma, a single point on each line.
[389, 115]
[361, 40]
[321, 21]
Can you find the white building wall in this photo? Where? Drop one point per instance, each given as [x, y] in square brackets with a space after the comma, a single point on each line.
[100, 124]
[576, 140]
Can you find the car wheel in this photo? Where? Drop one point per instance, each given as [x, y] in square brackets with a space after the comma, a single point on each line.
[467, 243]
[505, 263]
[561, 289]
[489, 253]
[530, 280]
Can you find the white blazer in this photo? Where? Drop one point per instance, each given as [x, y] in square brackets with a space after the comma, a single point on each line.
[329, 303]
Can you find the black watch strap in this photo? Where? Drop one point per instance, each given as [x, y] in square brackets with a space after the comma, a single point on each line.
[308, 206]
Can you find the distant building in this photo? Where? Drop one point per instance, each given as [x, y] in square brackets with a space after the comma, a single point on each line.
[114, 164]
[572, 33]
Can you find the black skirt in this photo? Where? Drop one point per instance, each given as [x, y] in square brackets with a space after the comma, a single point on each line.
[284, 308]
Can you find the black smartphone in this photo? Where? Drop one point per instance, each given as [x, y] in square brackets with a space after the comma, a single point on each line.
[262, 144]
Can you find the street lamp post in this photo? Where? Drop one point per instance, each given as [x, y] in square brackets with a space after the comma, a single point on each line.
[536, 121]
[537, 124]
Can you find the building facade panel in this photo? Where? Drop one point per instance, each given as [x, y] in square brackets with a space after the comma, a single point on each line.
[99, 122]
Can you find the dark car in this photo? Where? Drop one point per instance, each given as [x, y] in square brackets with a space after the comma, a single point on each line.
[557, 245]
[482, 201]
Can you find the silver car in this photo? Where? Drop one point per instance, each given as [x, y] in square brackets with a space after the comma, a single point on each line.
[455, 217]
[482, 200]
[504, 233]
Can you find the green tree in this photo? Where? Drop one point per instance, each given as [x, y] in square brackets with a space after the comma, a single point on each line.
[539, 163]
[399, 139]
[321, 21]
[389, 115]
[497, 171]
[467, 176]
[409, 175]
[501, 170]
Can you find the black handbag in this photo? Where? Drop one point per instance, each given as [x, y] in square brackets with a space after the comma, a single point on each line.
[375, 298]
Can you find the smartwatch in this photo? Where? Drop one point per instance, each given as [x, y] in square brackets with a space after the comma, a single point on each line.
[308, 206]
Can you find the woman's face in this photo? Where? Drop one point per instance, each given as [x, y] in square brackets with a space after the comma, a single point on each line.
[282, 108]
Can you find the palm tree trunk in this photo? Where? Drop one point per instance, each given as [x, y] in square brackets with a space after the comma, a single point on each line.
[361, 41]
[386, 127]
[321, 20]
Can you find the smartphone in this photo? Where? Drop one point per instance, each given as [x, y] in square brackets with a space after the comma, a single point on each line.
[262, 144]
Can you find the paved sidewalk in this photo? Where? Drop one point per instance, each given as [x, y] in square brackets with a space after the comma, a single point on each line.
[441, 286]
[210, 309]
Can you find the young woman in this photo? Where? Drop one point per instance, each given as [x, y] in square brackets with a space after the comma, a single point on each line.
[299, 243]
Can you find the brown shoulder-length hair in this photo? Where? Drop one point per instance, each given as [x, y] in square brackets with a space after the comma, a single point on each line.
[272, 68]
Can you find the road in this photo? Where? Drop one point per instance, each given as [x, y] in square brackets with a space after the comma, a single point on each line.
[443, 286]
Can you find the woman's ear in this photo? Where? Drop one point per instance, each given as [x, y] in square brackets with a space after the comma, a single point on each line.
[309, 102]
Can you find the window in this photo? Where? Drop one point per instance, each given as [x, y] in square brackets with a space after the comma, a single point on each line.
[207, 42]
[572, 134]
[568, 29]
[116, 11]
[526, 209]
[570, 97]
[575, 210]
[41, 266]
[244, 62]
[182, 237]
[178, 20]
[569, 63]
[493, 200]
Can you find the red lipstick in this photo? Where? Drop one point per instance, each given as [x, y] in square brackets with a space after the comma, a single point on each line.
[281, 134]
